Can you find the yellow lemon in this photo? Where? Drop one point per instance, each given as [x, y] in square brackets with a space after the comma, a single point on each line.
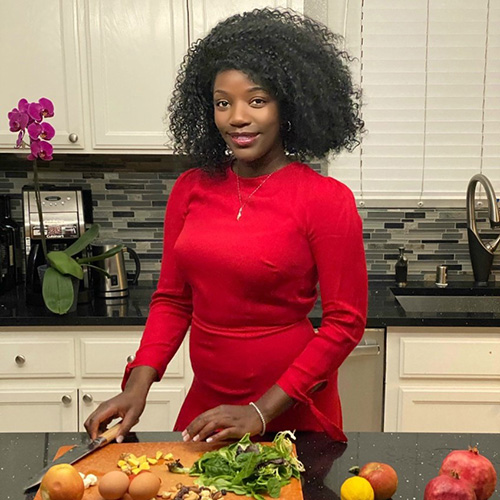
[356, 488]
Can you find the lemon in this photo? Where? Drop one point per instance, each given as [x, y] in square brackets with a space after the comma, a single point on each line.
[356, 488]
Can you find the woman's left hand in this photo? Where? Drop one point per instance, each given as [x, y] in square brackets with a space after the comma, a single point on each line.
[222, 423]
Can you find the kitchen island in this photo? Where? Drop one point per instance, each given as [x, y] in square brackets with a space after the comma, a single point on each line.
[415, 456]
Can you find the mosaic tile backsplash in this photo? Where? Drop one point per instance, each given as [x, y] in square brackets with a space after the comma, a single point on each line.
[130, 192]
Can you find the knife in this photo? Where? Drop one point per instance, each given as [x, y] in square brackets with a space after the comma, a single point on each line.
[76, 453]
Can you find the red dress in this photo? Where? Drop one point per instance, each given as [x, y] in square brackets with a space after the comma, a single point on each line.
[246, 287]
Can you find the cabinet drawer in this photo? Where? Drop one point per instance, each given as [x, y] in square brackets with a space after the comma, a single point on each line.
[37, 358]
[38, 411]
[454, 409]
[160, 414]
[108, 357]
[431, 357]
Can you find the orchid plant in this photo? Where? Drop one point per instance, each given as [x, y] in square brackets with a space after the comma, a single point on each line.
[57, 285]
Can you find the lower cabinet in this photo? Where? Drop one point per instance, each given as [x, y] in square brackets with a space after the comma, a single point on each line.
[160, 413]
[52, 379]
[443, 380]
[41, 410]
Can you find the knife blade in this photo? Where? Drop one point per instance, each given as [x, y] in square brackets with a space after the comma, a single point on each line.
[76, 453]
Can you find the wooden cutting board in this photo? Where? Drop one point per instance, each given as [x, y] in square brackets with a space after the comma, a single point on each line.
[105, 460]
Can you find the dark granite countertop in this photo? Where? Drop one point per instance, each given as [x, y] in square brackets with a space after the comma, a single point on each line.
[383, 310]
[415, 456]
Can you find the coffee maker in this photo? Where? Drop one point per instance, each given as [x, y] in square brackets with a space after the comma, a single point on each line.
[66, 211]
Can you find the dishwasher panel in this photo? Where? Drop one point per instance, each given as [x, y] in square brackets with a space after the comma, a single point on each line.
[362, 382]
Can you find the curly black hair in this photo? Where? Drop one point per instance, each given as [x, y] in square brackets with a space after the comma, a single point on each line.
[297, 60]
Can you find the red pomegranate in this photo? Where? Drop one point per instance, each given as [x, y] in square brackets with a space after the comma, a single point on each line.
[472, 467]
[449, 487]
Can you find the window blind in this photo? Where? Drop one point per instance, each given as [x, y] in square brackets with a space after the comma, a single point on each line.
[430, 75]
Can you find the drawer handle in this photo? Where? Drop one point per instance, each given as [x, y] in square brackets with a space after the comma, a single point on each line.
[20, 360]
[366, 347]
[73, 138]
[87, 398]
[67, 399]
[130, 358]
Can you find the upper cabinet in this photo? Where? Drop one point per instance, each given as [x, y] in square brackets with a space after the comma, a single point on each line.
[108, 66]
[40, 58]
[205, 14]
[134, 49]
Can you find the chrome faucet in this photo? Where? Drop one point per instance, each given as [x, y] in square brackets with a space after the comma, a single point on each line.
[481, 254]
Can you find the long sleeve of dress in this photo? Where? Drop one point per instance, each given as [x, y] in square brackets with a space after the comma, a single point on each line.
[334, 232]
[171, 305]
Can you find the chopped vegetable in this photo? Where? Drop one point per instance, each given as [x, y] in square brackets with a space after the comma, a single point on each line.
[252, 469]
[177, 467]
[130, 464]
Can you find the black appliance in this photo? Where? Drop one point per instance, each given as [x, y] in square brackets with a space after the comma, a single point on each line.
[66, 211]
[10, 247]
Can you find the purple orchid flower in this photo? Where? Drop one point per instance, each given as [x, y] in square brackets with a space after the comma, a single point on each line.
[43, 130]
[23, 105]
[48, 132]
[35, 111]
[47, 107]
[17, 120]
[34, 130]
[41, 149]
[19, 139]
[41, 109]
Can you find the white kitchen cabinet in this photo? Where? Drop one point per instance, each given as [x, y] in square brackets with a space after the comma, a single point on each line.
[161, 410]
[51, 379]
[205, 14]
[442, 380]
[40, 57]
[37, 410]
[109, 67]
[134, 50]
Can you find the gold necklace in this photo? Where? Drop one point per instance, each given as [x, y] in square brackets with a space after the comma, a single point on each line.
[242, 204]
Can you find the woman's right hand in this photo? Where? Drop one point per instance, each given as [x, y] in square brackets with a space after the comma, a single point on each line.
[127, 405]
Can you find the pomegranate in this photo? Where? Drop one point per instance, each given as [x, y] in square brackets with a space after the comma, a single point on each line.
[472, 467]
[382, 477]
[449, 487]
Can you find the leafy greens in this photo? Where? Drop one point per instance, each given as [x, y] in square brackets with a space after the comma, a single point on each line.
[251, 469]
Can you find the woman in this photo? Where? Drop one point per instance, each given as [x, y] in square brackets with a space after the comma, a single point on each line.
[250, 232]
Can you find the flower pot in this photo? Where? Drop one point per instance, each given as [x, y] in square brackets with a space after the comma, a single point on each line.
[75, 282]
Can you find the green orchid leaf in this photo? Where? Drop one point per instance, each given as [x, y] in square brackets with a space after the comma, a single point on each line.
[65, 264]
[57, 290]
[102, 256]
[100, 269]
[83, 241]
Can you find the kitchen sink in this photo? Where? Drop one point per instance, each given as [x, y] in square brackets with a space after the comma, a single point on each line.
[453, 299]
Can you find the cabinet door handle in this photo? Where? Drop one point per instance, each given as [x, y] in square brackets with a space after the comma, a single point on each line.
[87, 398]
[67, 399]
[130, 358]
[20, 360]
[73, 137]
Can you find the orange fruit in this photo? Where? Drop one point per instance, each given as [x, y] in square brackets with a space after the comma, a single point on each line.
[62, 482]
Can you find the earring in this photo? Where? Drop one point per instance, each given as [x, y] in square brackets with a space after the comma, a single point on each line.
[228, 151]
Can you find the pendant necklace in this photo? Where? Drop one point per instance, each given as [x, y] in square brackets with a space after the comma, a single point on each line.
[242, 204]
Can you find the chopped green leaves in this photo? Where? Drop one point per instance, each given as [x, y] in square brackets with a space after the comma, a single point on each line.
[252, 469]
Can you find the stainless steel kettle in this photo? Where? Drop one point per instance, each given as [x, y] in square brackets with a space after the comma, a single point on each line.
[116, 286]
